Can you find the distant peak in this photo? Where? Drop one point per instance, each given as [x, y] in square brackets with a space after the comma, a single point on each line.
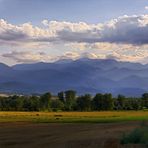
[4, 65]
[63, 61]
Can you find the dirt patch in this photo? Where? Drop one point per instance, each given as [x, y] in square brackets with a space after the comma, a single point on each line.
[31, 135]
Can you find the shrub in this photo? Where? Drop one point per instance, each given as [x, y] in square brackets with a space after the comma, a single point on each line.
[137, 136]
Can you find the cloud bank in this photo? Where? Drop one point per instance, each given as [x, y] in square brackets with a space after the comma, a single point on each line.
[122, 38]
[126, 30]
[27, 56]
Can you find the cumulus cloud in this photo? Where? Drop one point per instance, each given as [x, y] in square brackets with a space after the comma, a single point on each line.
[125, 30]
[136, 56]
[68, 55]
[146, 7]
[122, 39]
[143, 57]
[92, 55]
[23, 34]
[26, 56]
[75, 56]
[31, 57]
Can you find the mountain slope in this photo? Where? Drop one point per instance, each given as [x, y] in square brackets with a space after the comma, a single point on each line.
[83, 75]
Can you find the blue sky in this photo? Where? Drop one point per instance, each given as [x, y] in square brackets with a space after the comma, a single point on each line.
[91, 11]
[47, 30]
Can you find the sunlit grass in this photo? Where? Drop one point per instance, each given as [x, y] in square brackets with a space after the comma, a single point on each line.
[74, 117]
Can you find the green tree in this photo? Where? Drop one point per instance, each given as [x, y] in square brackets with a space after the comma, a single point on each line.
[57, 105]
[70, 98]
[45, 101]
[61, 96]
[145, 100]
[84, 102]
[136, 104]
[103, 102]
[120, 102]
[18, 103]
[98, 102]
[108, 103]
[32, 104]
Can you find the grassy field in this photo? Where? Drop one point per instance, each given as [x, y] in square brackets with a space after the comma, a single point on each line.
[74, 117]
[32, 129]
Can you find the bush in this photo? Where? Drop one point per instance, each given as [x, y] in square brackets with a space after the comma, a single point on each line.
[137, 136]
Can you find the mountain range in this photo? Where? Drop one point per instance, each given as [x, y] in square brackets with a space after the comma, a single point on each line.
[83, 75]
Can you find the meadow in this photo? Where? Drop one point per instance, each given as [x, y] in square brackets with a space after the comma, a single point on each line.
[67, 135]
[74, 117]
[103, 129]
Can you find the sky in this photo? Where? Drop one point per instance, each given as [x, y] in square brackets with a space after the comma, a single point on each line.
[49, 30]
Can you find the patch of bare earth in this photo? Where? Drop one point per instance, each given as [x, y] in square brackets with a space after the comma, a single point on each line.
[31, 135]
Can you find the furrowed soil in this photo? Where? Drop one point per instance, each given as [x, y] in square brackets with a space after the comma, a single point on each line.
[65, 135]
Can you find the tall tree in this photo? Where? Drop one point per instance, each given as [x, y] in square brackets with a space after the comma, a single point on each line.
[84, 102]
[57, 105]
[98, 102]
[103, 102]
[145, 100]
[45, 101]
[108, 102]
[61, 96]
[120, 102]
[70, 98]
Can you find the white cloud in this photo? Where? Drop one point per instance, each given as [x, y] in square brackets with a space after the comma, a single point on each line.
[146, 7]
[27, 56]
[137, 55]
[45, 22]
[124, 38]
[126, 29]
[68, 55]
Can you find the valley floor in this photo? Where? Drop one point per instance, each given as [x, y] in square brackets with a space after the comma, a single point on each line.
[68, 129]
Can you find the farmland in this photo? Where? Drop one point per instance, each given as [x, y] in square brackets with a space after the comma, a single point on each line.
[74, 117]
[68, 129]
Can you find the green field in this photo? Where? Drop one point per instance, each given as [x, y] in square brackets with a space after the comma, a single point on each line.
[74, 117]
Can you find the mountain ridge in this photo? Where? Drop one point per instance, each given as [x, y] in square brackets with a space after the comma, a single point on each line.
[83, 75]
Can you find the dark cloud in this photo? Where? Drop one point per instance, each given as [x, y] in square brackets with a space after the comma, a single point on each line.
[129, 34]
[126, 30]
[11, 35]
[87, 36]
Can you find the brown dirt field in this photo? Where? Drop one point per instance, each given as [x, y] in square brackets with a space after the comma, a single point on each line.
[52, 135]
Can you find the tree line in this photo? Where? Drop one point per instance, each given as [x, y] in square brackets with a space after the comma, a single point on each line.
[69, 101]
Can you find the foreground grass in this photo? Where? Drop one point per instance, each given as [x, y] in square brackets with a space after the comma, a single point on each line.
[74, 117]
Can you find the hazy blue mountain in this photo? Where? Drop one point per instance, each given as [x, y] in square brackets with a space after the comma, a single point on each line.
[4, 69]
[83, 75]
